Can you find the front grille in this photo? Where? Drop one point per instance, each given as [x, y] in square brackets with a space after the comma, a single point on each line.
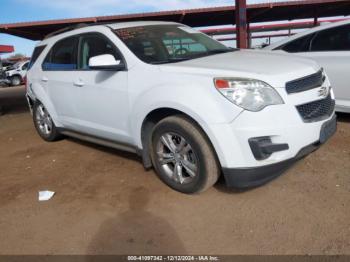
[305, 83]
[317, 110]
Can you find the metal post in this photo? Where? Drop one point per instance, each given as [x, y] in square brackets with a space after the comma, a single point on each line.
[315, 17]
[249, 36]
[241, 23]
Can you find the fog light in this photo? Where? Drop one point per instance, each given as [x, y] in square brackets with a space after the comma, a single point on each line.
[262, 147]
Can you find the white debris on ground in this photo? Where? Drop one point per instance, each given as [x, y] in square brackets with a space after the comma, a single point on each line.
[45, 195]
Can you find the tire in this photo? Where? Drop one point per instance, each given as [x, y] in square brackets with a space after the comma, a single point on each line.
[16, 81]
[177, 143]
[44, 124]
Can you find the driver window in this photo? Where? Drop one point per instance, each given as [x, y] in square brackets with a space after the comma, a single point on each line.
[94, 45]
[334, 39]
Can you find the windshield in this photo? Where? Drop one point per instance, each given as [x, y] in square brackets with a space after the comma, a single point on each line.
[159, 44]
[16, 66]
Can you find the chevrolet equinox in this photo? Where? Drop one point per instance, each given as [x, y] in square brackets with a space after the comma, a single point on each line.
[191, 107]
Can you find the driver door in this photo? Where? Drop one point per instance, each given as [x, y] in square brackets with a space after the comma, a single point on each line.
[102, 105]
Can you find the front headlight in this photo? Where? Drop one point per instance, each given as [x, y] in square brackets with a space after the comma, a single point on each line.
[250, 94]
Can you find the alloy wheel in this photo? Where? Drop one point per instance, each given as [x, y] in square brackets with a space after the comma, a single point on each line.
[43, 120]
[16, 81]
[177, 158]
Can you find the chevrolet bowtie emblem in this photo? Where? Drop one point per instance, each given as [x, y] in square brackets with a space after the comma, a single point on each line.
[323, 92]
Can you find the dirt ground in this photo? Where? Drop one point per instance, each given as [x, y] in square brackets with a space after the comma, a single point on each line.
[106, 203]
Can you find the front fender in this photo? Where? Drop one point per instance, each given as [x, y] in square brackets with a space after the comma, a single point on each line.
[205, 105]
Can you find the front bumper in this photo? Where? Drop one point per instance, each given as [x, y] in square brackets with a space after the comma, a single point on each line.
[4, 81]
[256, 176]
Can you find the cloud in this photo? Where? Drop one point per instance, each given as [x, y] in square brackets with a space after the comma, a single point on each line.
[107, 7]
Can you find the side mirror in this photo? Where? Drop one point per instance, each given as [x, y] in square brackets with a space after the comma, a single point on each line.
[105, 62]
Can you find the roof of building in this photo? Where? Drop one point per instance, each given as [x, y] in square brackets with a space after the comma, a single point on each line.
[213, 16]
[273, 27]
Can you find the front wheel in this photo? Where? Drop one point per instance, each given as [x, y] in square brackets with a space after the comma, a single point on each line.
[182, 155]
[15, 81]
[44, 124]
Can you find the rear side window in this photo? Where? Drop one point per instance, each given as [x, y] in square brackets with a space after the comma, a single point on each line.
[301, 44]
[62, 56]
[334, 39]
[37, 52]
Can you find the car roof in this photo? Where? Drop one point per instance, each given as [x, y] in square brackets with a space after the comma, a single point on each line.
[70, 31]
[307, 32]
[115, 26]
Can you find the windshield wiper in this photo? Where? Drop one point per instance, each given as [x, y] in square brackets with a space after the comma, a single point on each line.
[220, 51]
[171, 60]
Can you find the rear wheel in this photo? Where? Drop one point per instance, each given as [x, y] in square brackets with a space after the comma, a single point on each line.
[44, 124]
[182, 155]
[16, 81]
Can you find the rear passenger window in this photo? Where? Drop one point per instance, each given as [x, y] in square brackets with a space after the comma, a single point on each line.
[95, 45]
[334, 39]
[301, 44]
[37, 52]
[62, 56]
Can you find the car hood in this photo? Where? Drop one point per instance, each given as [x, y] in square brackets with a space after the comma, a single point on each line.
[272, 68]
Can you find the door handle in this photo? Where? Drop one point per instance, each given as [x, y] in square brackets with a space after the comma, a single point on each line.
[44, 79]
[79, 83]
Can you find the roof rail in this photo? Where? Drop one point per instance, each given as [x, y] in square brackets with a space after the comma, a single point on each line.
[67, 29]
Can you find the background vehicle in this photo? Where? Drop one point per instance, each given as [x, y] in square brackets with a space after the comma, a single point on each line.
[6, 65]
[3, 80]
[17, 73]
[190, 106]
[328, 45]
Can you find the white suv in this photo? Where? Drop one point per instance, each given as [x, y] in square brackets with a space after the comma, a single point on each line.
[17, 73]
[328, 45]
[188, 105]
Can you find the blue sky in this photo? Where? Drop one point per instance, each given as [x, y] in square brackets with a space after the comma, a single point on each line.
[34, 10]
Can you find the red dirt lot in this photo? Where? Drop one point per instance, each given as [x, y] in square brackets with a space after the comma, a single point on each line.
[106, 203]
